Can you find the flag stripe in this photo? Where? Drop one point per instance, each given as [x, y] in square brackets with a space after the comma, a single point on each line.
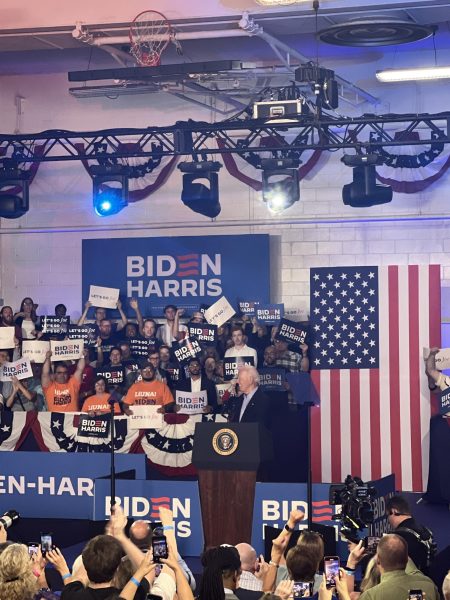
[355, 423]
[346, 424]
[327, 457]
[414, 370]
[383, 400]
[335, 426]
[404, 420]
[375, 426]
[316, 438]
[395, 432]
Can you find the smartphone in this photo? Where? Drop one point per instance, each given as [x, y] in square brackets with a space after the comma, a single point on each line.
[33, 548]
[159, 546]
[302, 589]
[415, 595]
[46, 543]
[332, 565]
[370, 543]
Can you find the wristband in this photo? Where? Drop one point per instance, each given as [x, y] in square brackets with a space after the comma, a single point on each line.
[66, 576]
[168, 527]
[349, 569]
[135, 581]
[349, 572]
[273, 564]
[290, 529]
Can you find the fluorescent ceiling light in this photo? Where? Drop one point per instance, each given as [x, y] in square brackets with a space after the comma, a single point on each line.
[417, 74]
[277, 2]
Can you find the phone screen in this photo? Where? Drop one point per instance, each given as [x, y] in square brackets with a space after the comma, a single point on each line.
[33, 548]
[371, 543]
[159, 545]
[46, 543]
[331, 570]
[302, 589]
[415, 595]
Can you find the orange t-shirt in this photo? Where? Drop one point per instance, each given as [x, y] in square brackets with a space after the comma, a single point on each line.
[148, 392]
[62, 397]
[99, 404]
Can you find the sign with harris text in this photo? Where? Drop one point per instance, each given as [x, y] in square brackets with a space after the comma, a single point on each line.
[291, 332]
[270, 314]
[66, 350]
[20, 368]
[185, 271]
[232, 364]
[191, 403]
[203, 333]
[444, 402]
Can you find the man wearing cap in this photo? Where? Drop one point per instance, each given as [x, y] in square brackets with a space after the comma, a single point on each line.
[198, 382]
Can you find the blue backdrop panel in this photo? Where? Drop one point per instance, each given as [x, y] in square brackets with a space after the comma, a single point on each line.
[142, 499]
[59, 485]
[186, 271]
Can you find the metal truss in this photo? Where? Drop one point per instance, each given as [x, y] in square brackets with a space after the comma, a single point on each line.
[240, 136]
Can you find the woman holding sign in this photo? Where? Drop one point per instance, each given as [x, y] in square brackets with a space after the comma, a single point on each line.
[98, 404]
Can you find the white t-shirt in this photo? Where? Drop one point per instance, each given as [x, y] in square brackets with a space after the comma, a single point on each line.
[165, 335]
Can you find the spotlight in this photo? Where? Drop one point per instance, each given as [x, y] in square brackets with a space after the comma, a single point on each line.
[364, 191]
[109, 188]
[14, 193]
[280, 186]
[200, 190]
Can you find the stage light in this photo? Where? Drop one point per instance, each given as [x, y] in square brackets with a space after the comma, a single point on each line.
[280, 185]
[364, 191]
[200, 190]
[14, 193]
[109, 189]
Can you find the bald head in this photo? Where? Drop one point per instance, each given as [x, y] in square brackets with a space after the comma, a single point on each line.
[248, 557]
[392, 553]
[141, 534]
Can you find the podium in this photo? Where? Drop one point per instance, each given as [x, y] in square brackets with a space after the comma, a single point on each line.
[227, 457]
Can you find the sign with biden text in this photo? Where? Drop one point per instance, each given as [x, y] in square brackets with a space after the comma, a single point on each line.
[291, 332]
[185, 271]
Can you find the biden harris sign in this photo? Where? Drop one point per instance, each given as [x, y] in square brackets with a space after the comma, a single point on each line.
[185, 271]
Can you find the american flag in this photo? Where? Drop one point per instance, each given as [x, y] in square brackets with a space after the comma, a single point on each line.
[368, 328]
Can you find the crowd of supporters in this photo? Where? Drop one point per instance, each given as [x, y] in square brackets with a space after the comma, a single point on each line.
[140, 350]
[121, 566]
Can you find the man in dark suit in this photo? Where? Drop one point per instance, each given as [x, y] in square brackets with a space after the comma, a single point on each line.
[252, 405]
[197, 383]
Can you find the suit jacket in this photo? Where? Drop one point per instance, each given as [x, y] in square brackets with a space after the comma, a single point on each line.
[206, 384]
[258, 410]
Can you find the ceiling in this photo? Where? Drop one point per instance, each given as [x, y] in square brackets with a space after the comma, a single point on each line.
[39, 37]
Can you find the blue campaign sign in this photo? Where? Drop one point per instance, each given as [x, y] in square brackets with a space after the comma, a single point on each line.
[274, 502]
[385, 489]
[185, 271]
[142, 499]
[59, 485]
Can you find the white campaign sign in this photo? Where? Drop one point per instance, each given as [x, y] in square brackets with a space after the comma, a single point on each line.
[35, 350]
[7, 337]
[20, 368]
[66, 350]
[103, 297]
[219, 312]
[221, 388]
[145, 417]
[442, 358]
[191, 403]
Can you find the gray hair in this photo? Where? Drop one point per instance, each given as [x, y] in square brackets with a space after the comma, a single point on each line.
[252, 371]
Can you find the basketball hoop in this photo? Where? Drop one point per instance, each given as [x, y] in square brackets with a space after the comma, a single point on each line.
[150, 34]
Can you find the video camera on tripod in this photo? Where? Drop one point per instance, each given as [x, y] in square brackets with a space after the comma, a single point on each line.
[357, 506]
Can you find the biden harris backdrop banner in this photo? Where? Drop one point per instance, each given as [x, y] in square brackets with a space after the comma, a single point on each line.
[185, 271]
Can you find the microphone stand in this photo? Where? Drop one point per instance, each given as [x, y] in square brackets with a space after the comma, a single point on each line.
[112, 455]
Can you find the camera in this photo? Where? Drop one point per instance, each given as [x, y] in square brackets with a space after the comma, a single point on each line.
[357, 505]
[9, 518]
